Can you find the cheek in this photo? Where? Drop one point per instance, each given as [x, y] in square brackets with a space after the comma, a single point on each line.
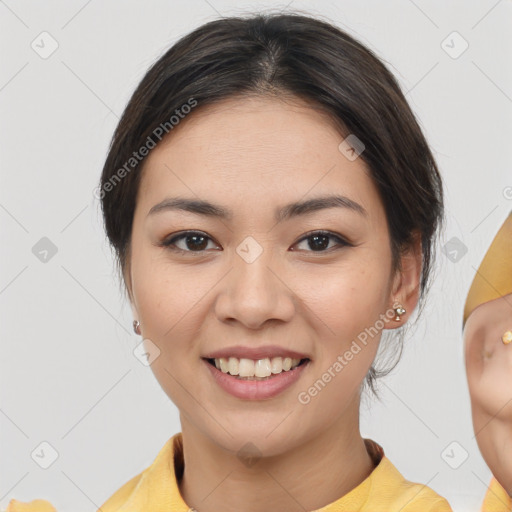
[167, 295]
[347, 299]
[170, 302]
[346, 310]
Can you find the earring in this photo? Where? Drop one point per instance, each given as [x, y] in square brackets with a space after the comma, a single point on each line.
[507, 337]
[136, 327]
[399, 311]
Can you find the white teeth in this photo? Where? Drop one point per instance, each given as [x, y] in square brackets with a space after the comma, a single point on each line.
[246, 368]
[276, 365]
[223, 364]
[255, 368]
[233, 365]
[262, 368]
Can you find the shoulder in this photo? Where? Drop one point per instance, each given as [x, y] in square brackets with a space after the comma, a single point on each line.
[496, 498]
[113, 503]
[154, 482]
[390, 490]
[135, 490]
[30, 506]
[122, 495]
[412, 495]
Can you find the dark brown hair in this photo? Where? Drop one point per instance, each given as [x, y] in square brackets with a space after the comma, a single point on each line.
[284, 55]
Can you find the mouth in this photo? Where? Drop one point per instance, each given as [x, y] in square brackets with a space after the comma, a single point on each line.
[256, 379]
[256, 370]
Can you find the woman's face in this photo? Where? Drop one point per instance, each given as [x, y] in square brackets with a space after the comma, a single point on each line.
[252, 281]
[489, 371]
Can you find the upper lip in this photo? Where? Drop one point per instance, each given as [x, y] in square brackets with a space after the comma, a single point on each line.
[267, 351]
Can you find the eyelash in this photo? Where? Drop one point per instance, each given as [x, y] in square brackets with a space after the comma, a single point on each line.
[169, 242]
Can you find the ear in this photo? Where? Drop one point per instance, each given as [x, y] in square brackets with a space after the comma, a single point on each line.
[127, 280]
[406, 283]
[135, 315]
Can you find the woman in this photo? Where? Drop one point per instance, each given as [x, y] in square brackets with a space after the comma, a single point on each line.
[488, 348]
[273, 204]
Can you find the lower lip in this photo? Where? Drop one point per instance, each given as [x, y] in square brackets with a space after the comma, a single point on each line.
[256, 389]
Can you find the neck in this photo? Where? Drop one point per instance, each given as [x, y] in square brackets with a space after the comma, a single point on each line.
[310, 476]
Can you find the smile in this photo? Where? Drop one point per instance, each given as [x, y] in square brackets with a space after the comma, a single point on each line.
[259, 379]
[255, 369]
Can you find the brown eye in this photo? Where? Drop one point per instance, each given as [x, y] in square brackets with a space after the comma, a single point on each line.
[319, 241]
[191, 241]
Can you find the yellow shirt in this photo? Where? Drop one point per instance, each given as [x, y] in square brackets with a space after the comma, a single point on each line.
[496, 499]
[156, 489]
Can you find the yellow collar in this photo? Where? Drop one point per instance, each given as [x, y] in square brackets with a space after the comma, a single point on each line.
[156, 489]
[496, 498]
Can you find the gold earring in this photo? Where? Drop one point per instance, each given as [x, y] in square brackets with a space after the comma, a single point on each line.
[399, 311]
[507, 337]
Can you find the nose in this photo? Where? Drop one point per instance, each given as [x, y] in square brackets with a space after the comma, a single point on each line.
[254, 293]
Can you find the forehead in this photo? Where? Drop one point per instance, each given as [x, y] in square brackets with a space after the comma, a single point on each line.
[253, 112]
[255, 145]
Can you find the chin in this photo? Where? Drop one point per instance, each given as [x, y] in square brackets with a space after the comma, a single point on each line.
[257, 441]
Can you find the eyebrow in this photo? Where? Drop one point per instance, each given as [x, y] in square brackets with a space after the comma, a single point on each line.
[206, 208]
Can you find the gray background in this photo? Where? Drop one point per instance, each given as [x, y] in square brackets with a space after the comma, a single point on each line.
[68, 373]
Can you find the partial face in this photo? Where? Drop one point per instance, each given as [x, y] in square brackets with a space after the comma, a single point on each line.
[489, 372]
[253, 280]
